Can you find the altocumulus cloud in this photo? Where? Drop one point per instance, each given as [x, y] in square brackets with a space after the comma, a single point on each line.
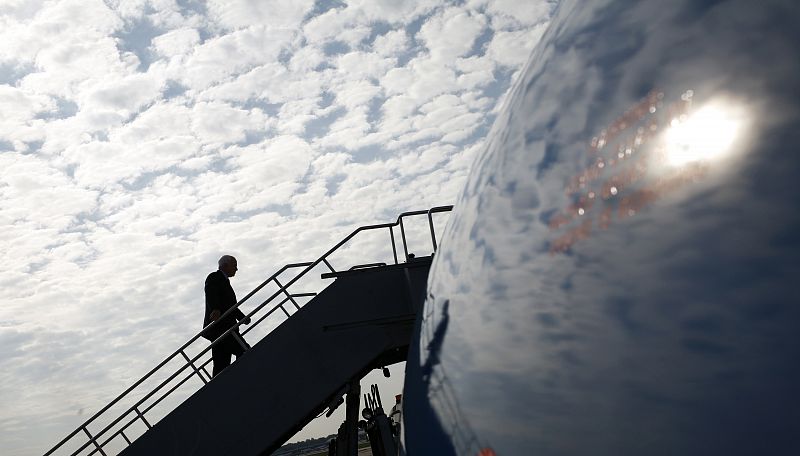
[139, 140]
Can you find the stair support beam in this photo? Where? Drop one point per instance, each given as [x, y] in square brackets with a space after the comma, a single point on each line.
[351, 420]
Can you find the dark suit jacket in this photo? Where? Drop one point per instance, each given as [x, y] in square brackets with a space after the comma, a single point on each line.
[219, 296]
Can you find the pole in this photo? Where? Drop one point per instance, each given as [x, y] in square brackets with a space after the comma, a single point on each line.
[351, 420]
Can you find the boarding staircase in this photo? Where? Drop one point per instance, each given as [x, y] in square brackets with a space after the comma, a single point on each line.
[302, 366]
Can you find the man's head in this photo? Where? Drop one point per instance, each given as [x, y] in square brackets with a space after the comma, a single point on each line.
[227, 264]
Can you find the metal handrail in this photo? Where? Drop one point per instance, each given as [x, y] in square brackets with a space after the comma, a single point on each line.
[160, 365]
[139, 414]
[366, 266]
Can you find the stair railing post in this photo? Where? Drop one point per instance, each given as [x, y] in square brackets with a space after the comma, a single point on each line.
[286, 292]
[394, 248]
[263, 317]
[194, 368]
[403, 235]
[433, 233]
[141, 416]
[325, 260]
[94, 441]
[241, 341]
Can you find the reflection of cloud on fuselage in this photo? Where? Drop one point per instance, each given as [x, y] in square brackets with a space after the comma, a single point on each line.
[666, 315]
[439, 387]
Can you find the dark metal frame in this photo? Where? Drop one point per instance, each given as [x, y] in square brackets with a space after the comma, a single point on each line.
[139, 414]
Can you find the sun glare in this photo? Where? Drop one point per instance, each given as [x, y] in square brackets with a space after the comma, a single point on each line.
[707, 134]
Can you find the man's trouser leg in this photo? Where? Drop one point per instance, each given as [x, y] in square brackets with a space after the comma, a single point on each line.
[238, 345]
[221, 353]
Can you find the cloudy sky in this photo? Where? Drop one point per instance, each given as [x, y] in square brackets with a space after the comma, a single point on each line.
[142, 139]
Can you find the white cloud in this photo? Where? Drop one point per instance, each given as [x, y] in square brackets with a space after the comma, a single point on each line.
[294, 115]
[391, 43]
[41, 193]
[476, 101]
[17, 123]
[450, 116]
[71, 16]
[399, 106]
[451, 34]
[236, 14]
[442, 108]
[176, 42]
[306, 59]
[160, 121]
[513, 48]
[215, 122]
[268, 173]
[364, 65]
[20, 9]
[476, 72]
[98, 164]
[431, 79]
[392, 10]
[355, 94]
[125, 95]
[12, 40]
[347, 131]
[61, 32]
[326, 26]
[219, 58]
[297, 87]
[69, 37]
[514, 14]
[98, 122]
[475, 79]
[398, 80]
[474, 64]
[267, 81]
[284, 158]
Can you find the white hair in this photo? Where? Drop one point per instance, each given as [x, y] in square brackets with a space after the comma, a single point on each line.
[225, 259]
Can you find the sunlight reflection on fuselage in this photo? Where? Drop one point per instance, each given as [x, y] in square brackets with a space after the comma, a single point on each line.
[708, 134]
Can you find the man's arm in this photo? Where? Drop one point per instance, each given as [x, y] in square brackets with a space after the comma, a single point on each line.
[217, 293]
[213, 298]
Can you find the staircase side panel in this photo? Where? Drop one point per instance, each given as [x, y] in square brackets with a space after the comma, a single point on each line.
[287, 378]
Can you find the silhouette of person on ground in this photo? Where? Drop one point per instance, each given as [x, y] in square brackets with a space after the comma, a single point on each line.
[219, 298]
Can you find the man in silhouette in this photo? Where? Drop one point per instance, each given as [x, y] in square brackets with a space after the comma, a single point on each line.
[219, 298]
